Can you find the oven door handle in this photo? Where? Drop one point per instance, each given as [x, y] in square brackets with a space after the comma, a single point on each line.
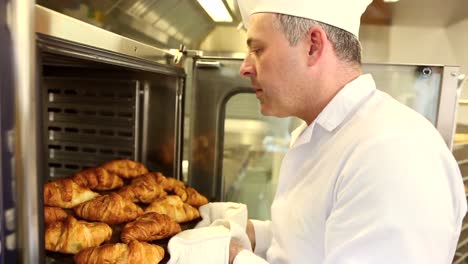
[208, 64]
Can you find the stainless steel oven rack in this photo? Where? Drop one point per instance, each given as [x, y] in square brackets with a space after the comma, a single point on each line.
[88, 122]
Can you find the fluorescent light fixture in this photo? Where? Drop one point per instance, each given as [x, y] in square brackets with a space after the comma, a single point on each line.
[391, 1]
[216, 9]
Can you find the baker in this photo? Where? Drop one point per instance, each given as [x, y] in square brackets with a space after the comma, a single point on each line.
[366, 179]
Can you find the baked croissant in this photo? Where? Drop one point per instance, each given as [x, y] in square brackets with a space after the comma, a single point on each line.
[65, 193]
[194, 198]
[150, 226]
[98, 179]
[181, 192]
[143, 189]
[110, 209]
[171, 185]
[133, 253]
[54, 214]
[71, 236]
[125, 168]
[173, 206]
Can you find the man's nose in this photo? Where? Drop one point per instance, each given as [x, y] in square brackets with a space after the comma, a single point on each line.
[247, 69]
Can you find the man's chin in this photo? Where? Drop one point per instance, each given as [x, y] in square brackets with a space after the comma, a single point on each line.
[270, 112]
[266, 111]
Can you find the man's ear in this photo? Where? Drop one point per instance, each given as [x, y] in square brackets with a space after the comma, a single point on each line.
[316, 43]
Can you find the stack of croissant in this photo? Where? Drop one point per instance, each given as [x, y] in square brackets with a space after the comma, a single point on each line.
[82, 211]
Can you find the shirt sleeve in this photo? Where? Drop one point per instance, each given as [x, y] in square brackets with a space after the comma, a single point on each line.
[263, 236]
[248, 257]
[394, 203]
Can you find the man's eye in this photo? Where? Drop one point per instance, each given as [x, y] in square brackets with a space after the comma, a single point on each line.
[255, 51]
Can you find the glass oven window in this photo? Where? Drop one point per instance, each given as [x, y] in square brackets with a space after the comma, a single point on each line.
[254, 146]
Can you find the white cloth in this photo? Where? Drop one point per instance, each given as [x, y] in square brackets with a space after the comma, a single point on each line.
[210, 212]
[231, 215]
[208, 245]
[235, 231]
[344, 14]
[247, 257]
[369, 181]
[209, 241]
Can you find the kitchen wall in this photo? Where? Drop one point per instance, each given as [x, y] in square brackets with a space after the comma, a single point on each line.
[406, 44]
[225, 39]
[383, 44]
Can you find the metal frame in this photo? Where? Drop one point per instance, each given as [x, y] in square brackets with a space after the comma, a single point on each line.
[54, 44]
[205, 174]
[27, 133]
[179, 133]
[448, 105]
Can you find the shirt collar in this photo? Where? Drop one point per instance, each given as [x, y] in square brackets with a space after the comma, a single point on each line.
[336, 111]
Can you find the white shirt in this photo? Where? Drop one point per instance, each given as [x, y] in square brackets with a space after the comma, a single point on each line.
[369, 181]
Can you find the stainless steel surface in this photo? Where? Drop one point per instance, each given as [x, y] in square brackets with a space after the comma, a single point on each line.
[179, 21]
[55, 24]
[212, 88]
[179, 128]
[208, 64]
[87, 56]
[27, 133]
[162, 117]
[137, 128]
[160, 23]
[145, 123]
[448, 105]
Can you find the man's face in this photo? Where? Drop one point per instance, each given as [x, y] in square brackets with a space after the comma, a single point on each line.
[275, 68]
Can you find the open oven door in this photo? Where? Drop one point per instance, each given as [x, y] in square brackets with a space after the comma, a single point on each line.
[233, 152]
[72, 96]
[21, 161]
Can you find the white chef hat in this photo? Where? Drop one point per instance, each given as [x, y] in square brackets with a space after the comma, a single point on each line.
[344, 14]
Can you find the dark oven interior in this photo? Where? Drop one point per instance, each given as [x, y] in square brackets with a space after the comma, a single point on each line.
[95, 112]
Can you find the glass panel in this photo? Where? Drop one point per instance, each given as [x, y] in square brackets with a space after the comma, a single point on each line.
[415, 86]
[254, 146]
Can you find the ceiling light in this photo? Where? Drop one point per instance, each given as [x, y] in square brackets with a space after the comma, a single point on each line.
[216, 9]
[391, 1]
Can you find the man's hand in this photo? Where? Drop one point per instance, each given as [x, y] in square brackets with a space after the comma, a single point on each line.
[234, 248]
[249, 229]
[223, 210]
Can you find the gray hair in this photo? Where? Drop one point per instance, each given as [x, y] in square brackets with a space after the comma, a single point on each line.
[345, 44]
